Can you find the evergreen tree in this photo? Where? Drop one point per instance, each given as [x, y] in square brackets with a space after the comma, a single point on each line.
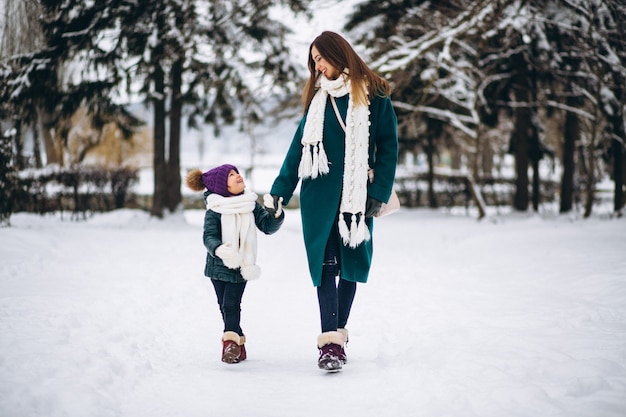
[212, 57]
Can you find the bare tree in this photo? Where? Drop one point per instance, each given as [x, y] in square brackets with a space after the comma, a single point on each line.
[468, 62]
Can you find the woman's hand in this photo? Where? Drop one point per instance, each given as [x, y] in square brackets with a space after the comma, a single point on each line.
[372, 206]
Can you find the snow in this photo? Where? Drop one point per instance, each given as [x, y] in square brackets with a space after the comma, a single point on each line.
[515, 315]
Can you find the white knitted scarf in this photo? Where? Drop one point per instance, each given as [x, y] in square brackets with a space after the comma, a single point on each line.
[238, 228]
[314, 161]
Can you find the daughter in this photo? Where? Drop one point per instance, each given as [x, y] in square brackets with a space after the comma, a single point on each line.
[230, 224]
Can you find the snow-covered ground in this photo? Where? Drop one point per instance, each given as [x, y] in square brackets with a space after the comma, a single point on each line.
[514, 315]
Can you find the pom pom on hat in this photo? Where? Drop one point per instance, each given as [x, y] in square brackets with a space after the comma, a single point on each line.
[216, 179]
[194, 180]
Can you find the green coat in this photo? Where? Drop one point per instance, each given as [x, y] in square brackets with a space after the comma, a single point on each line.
[320, 197]
[214, 267]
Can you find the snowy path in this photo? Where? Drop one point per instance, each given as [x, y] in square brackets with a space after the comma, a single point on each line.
[522, 316]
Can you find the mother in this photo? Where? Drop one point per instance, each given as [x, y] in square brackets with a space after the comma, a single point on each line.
[336, 199]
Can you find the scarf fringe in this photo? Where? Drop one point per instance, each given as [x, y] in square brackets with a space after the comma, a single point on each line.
[363, 232]
[314, 161]
[353, 231]
[323, 161]
[356, 233]
[343, 230]
[306, 163]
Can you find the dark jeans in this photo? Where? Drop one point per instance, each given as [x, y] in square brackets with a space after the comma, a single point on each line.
[229, 297]
[335, 295]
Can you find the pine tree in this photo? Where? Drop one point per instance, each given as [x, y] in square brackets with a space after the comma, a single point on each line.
[211, 57]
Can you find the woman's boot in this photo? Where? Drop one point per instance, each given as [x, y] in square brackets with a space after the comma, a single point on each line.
[342, 355]
[330, 345]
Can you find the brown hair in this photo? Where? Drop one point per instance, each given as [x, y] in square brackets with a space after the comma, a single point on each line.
[340, 54]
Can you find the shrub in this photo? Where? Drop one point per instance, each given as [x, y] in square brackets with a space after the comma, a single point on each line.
[80, 190]
[8, 181]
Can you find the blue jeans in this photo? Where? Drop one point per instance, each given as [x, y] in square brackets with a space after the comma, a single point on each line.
[229, 297]
[335, 295]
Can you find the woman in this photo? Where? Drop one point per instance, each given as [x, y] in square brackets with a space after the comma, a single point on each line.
[337, 201]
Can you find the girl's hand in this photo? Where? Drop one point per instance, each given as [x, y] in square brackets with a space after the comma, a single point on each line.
[273, 204]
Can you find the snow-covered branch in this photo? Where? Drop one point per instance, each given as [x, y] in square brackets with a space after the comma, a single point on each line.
[407, 51]
[457, 120]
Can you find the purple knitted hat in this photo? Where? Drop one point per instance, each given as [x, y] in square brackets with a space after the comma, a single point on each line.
[216, 179]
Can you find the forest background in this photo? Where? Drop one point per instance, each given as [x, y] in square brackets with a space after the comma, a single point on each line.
[476, 84]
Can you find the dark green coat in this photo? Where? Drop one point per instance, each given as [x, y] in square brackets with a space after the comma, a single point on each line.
[214, 267]
[320, 197]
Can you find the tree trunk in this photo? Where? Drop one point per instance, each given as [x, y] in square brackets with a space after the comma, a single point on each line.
[36, 143]
[522, 126]
[618, 175]
[484, 154]
[18, 144]
[159, 197]
[53, 148]
[456, 158]
[476, 161]
[571, 135]
[591, 178]
[536, 194]
[617, 147]
[173, 164]
[160, 174]
[524, 131]
[430, 155]
[535, 154]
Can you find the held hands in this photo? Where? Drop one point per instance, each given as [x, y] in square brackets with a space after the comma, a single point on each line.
[273, 204]
[372, 206]
[228, 255]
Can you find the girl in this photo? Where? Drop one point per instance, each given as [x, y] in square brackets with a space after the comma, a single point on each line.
[230, 224]
[349, 127]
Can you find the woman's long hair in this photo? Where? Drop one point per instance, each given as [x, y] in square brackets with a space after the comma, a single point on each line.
[340, 54]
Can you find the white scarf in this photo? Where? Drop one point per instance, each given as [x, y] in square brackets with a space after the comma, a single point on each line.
[238, 228]
[314, 161]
